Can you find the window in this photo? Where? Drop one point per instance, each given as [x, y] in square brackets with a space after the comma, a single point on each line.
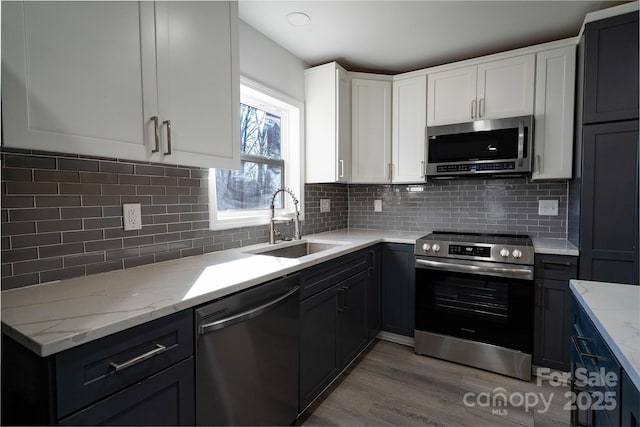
[270, 137]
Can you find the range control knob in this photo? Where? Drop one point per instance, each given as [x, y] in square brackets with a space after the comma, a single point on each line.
[436, 247]
[426, 247]
[517, 253]
[504, 253]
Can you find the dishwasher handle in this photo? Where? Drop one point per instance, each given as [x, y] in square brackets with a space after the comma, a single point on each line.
[245, 315]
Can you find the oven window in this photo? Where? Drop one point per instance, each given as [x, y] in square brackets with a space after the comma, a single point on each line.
[493, 310]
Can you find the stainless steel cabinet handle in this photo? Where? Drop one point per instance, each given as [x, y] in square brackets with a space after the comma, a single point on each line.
[390, 171]
[560, 263]
[538, 164]
[481, 109]
[341, 299]
[154, 119]
[168, 123]
[372, 265]
[341, 168]
[120, 366]
[576, 340]
[473, 109]
[422, 169]
[539, 296]
[249, 314]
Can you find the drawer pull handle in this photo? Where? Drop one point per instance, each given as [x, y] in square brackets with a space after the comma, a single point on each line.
[561, 263]
[576, 340]
[120, 366]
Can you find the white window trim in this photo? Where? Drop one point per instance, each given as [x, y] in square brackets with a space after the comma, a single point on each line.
[294, 166]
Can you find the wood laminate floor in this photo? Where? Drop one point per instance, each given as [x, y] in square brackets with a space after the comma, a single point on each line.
[391, 385]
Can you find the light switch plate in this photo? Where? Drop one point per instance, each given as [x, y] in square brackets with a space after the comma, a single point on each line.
[132, 216]
[377, 205]
[325, 205]
[548, 207]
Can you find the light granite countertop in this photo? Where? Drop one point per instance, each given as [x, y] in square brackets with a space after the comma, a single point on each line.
[615, 311]
[555, 247]
[55, 316]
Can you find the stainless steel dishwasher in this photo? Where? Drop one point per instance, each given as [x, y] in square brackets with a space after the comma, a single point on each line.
[247, 356]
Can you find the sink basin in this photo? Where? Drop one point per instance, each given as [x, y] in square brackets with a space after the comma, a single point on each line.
[297, 250]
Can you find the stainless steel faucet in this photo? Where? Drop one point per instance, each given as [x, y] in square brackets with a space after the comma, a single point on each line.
[273, 220]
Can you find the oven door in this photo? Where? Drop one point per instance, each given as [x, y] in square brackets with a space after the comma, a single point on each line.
[480, 301]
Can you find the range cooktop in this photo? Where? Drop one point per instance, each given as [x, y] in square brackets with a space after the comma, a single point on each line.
[504, 248]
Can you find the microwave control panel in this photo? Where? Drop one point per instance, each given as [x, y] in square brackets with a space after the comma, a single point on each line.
[477, 167]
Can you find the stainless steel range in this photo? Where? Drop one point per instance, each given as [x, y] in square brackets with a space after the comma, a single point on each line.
[475, 300]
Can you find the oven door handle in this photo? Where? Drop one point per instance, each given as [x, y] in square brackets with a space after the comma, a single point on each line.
[519, 273]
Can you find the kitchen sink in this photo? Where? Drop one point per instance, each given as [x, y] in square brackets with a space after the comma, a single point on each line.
[296, 250]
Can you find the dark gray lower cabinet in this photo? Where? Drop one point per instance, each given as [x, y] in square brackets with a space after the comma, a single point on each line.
[630, 405]
[398, 288]
[336, 323]
[166, 398]
[552, 315]
[374, 322]
[592, 358]
[143, 375]
[609, 206]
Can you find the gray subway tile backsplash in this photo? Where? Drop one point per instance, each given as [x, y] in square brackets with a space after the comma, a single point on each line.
[75, 204]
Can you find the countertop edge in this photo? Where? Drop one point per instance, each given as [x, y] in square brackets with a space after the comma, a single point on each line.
[631, 371]
[356, 239]
[83, 337]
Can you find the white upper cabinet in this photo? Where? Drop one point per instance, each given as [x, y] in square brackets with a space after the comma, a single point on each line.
[71, 77]
[327, 124]
[555, 90]
[505, 87]
[87, 78]
[451, 96]
[408, 129]
[198, 82]
[371, 122]
[496, 89]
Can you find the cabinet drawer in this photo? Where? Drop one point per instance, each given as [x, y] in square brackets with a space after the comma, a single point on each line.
[325, 275]
[92, 371]
[556, 267]
[166, 398]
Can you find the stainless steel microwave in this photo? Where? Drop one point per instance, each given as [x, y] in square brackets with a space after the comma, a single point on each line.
[486, 147]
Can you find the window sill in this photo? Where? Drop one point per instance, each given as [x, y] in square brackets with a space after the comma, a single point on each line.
[231, 223]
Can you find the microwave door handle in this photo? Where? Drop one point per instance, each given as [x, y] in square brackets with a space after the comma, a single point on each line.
[520, 143]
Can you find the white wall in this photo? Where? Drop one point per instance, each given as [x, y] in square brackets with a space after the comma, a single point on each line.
[266, 62]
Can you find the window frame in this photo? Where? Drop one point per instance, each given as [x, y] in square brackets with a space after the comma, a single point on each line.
[292, 158]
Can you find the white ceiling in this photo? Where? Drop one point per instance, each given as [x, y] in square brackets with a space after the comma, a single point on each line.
[397, 36]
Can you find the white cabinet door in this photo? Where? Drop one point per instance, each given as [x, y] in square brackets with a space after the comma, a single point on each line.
[198, 82]
[371, 122]
[87, 78]
[408, 126]
[71, 77]
[327, 124]
[555, 89]
[451, 96]
[505, 87]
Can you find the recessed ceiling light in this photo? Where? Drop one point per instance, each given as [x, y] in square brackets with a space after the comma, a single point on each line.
[298, 19]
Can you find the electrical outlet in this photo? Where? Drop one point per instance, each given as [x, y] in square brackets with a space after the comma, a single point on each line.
[377, 205]
[325, 205]
[548, 207]
[132, 216]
